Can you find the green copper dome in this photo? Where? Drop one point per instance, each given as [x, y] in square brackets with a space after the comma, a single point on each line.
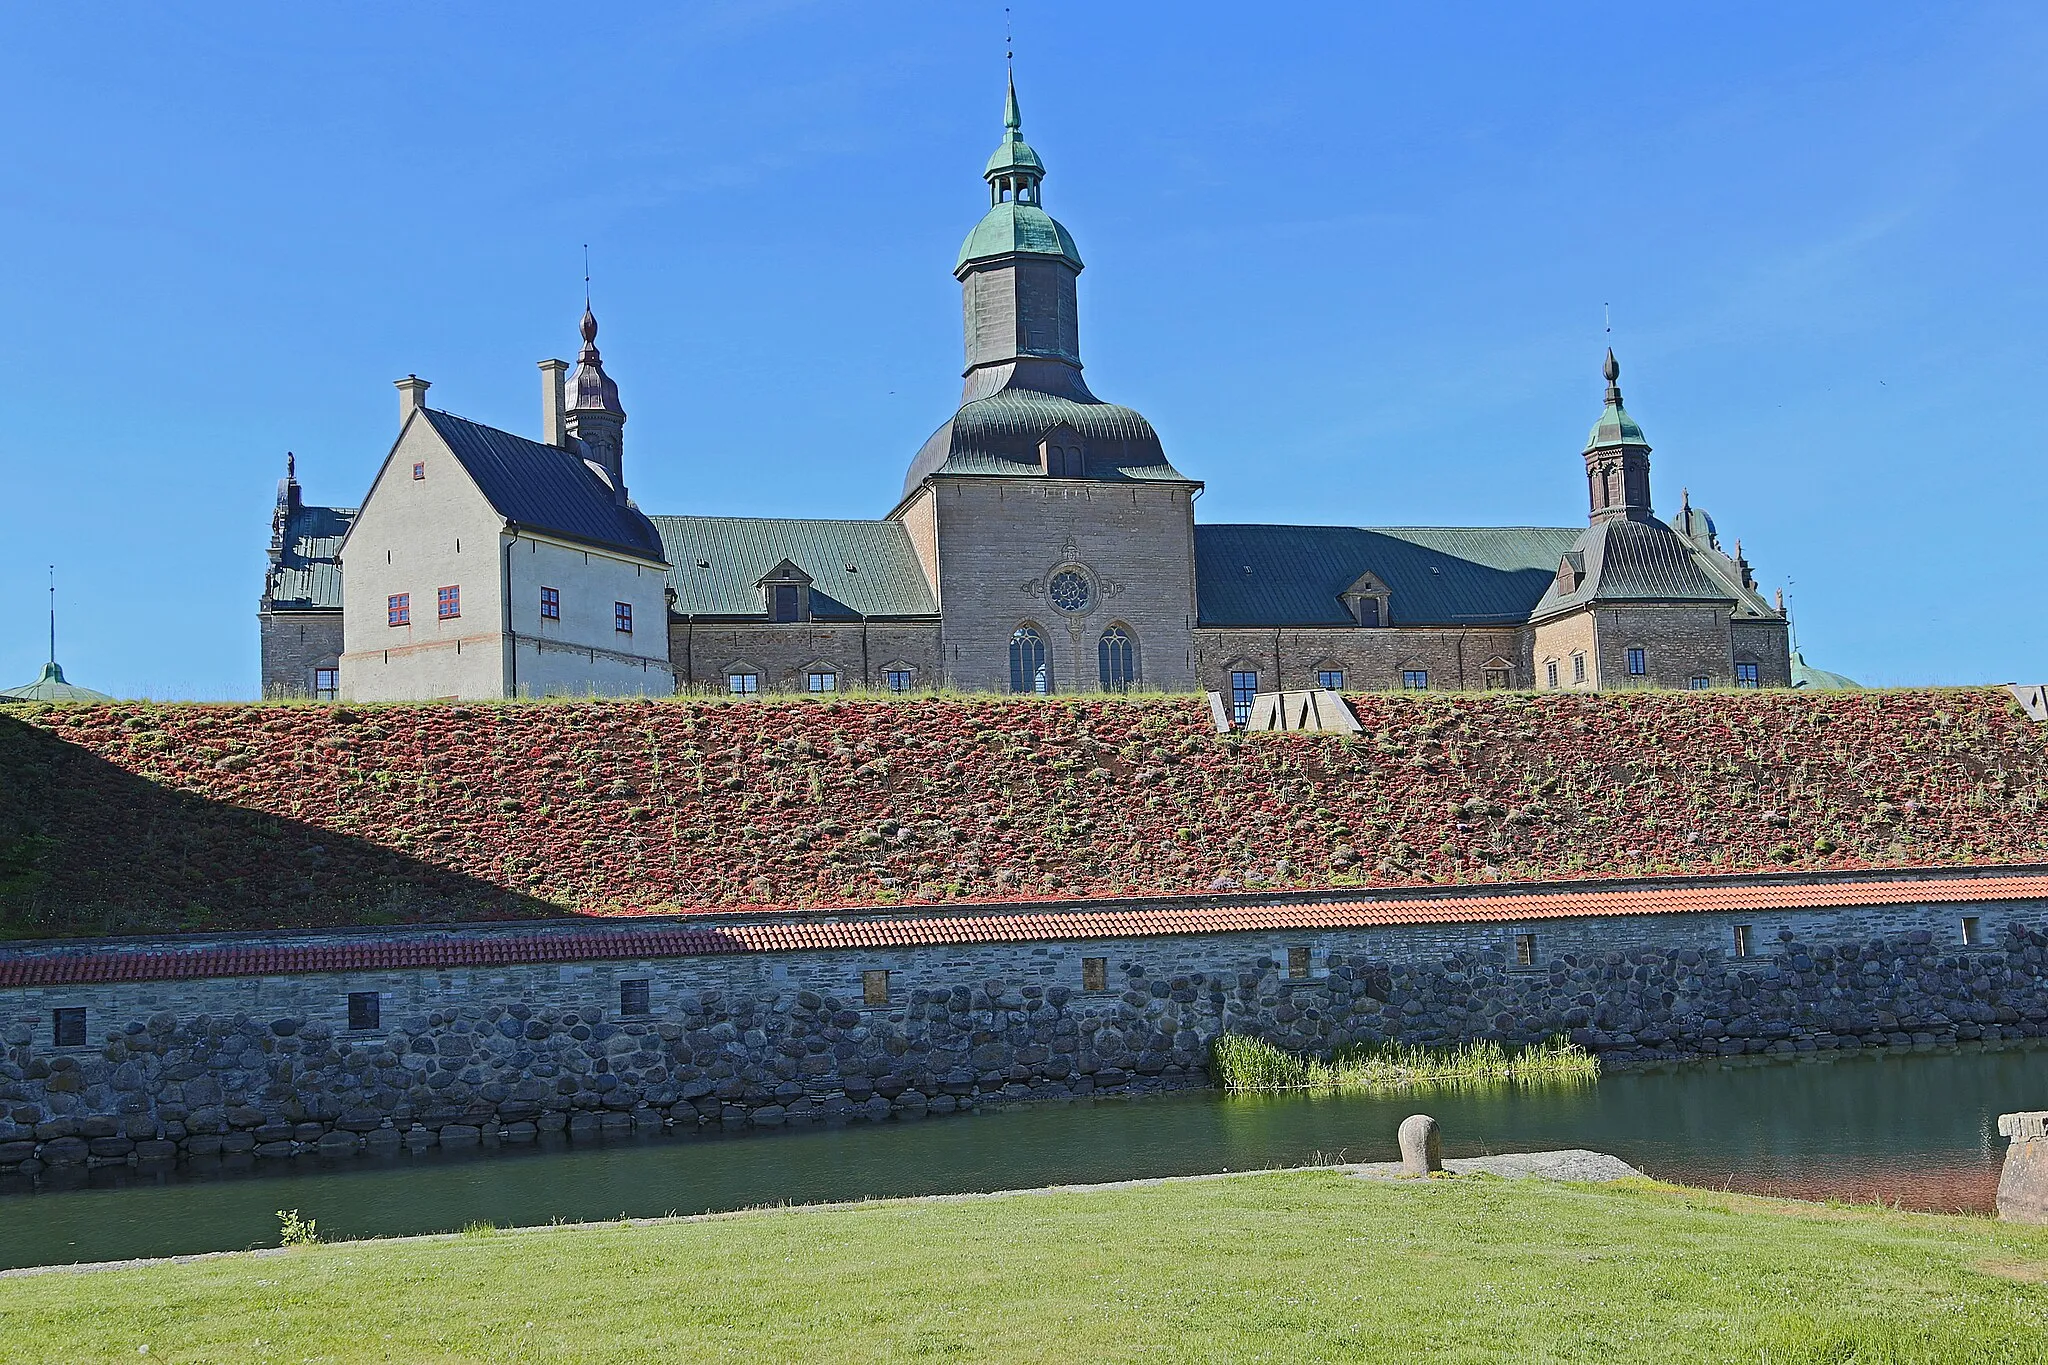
[1615, 427]
[1013, 228]
[52, 687]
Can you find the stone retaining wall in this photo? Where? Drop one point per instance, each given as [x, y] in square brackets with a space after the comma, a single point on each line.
[199, 1069]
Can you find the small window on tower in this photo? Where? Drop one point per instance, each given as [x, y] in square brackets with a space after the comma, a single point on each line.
[550, 604]
[622, 617]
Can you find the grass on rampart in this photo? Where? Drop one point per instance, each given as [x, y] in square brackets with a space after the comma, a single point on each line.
[1253, 1065]
[1300, 1266]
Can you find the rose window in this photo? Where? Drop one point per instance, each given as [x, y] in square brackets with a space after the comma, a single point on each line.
[1068, 590]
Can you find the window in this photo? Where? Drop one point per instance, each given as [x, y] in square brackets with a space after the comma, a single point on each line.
[1578, 668]
[1746, 676]
[1331, 679]
[1297, 963]
[448, 603]
[1742, 940]
[1973, 934]
[550, 605]
[1069, 590]
[1118, 660]
[365, 1010]
[874, 988]
[67, 1027]
[1029, 670]
[622, 617]
[633, 996]
[326, 684]
[1497, 678]
[898, 679]
[785, 608]
[743, 684]
[1094, 973]
[1550, 672]
[1638, 662]
[1699, 682]
[398, 609]
[1525, 950]
[1244, 685]
[1368, 611]
[822, 680]
[1415, 679]
[419, 471]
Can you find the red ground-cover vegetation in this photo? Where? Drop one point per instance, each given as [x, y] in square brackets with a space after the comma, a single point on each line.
[122, 818]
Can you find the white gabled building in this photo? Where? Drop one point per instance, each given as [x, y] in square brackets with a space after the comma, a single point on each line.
[483, 564]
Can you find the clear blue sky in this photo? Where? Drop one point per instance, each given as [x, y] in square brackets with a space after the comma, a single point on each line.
[1349, 259]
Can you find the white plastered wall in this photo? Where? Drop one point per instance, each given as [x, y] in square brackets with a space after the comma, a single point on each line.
[584, 653]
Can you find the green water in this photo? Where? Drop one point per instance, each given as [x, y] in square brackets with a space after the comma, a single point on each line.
[1917, 1128]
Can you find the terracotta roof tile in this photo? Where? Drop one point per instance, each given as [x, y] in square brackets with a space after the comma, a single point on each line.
[67, 966]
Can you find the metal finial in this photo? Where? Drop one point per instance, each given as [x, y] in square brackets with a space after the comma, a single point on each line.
[1009, 44]
[53, 614]
[291, 465]
[586, 277]
[1612, 369]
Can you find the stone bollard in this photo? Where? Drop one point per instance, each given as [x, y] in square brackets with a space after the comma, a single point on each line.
[1422, 1150]
[2023, 1185]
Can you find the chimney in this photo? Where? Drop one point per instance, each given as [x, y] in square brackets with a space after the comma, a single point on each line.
[554, 421]
[412, 396]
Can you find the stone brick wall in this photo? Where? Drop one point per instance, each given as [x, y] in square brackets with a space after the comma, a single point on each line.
[294, 643]
[198, 1069]
[1768, 644]
[782, 655]
[1372, 659]
[1678, 644]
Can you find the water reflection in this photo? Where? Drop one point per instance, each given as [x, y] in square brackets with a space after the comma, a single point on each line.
[1917, 1128]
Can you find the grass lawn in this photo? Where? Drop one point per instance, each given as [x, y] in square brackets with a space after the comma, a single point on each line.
[1306, 1265]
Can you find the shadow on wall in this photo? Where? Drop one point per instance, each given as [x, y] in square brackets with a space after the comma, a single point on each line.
[87, 847]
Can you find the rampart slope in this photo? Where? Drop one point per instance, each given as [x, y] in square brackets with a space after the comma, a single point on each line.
[125, 818]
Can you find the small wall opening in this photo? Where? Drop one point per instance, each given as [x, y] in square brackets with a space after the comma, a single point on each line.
[1094, 973]
[365, 1011]
[874, 987]
[633, 996]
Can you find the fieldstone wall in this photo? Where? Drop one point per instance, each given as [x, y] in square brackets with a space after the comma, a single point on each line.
[238, 1068]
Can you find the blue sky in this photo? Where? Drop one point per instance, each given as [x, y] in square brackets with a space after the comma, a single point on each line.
[1351, 260]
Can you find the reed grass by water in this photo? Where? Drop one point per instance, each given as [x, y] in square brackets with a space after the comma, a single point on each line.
[1244, 1064]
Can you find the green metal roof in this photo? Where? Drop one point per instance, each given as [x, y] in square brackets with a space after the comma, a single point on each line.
[307, 576]
[999, 434]
[857, 568]
[52, 687]
[1435, 575]
[1819, 679]
[1633, 561]
[1615, 428]
[1011, 229]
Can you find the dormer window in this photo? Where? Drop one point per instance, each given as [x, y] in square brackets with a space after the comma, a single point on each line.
[1061, 454]
[1571, 571]
[786, 593]
[1365, 601]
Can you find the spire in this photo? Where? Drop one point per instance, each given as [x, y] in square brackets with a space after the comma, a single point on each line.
[1617, 456]
[1014, 171]
[53, 619]
[593, 419]
[1012, 120]
[590, 388]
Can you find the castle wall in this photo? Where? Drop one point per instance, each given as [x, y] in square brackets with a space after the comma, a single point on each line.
[202, 1068]
[583, 653]
[1001, 540]
[782, 655]
[1679, 643]
[1767, 644]
[1557, 641]
[1372, 659]
[294, 643]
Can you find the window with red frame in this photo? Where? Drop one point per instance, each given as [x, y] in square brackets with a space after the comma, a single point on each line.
[622, 617]
[550, 605]
[450, 603]
[419, 471]
[398, 608]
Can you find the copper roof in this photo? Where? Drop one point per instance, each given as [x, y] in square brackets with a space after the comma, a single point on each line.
[71, 966]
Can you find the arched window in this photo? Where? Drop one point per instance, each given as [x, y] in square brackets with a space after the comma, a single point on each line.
[1030, 670]
[1117, 654]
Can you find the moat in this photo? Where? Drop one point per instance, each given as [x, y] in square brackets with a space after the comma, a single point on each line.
[1911, 1127]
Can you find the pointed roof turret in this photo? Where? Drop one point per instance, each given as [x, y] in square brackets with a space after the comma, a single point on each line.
[590, 388]
[1615, 427]
[1015, 223]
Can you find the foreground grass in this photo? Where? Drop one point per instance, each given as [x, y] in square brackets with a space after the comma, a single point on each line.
[1245, 1064]
[1291, 1266]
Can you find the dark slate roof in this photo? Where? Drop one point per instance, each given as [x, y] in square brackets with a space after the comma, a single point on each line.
[1635, 561]
[306, 577]
[857, 568]
[545, 488]
[999, 434]
[1435, 575]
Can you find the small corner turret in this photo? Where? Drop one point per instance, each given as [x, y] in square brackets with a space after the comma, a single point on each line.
[593, 418]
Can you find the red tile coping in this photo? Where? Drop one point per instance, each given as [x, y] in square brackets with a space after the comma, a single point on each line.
[472, 950]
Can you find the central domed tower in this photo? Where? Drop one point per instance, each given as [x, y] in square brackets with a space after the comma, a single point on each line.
[1058, 538]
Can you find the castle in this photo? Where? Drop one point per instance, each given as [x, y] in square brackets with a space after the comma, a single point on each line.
[1043, 542]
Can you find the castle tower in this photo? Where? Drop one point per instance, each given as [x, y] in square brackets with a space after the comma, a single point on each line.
[593, 415]
[1617, 459]
[1017, 271]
